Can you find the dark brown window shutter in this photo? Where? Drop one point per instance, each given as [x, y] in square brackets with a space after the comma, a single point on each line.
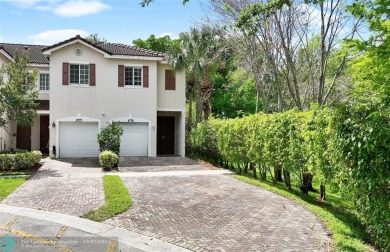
[170, 80]
[65, 73]
[121, 76]
[92, 74]
[146, 76]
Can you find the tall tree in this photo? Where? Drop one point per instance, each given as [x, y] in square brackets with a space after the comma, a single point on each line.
[159, 44]
[18, 92]
[286, 30]
[203, 53]
[94, 38]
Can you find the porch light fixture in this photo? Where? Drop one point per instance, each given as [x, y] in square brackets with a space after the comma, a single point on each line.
[53, 124]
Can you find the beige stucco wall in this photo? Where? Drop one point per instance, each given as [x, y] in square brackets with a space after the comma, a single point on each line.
[106, 101]
[170, 100]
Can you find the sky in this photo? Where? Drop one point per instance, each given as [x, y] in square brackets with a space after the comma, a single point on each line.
[46, 22]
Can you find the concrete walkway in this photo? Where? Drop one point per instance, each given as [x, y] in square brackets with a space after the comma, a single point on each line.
[197, 209]
[26, 229]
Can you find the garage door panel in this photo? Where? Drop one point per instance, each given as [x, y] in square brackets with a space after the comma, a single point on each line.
[134, 141]
[78, 139]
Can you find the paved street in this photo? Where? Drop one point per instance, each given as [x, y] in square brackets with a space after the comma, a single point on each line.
[179, 202]
[29, 230]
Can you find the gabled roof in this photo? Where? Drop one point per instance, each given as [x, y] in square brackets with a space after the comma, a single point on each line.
[34, 52]
[111, 49]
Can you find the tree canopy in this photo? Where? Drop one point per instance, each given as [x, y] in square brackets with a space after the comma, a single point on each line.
[18, 91]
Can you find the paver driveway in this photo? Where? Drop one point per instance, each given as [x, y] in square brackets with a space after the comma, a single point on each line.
[52, 188]
[219, 213]
[208, 212]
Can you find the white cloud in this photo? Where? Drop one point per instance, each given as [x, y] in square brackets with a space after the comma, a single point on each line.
[23, 3]
[55, 36]
[79, 8]
[31, 3]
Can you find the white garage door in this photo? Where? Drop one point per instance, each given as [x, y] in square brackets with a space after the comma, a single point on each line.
[78, 139]
[134, 141]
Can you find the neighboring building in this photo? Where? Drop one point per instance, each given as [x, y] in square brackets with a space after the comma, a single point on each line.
[84, 86]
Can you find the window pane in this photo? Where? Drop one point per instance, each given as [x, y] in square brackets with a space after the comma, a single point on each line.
[47, 82]
[128, 76]
[44, 81]
[74, 74]
[137, 76]
[84, 74]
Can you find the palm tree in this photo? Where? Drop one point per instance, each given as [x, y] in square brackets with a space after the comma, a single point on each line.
[200, 53]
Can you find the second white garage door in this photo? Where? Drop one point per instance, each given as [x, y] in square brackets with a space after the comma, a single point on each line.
[135, 138]
[78, 139]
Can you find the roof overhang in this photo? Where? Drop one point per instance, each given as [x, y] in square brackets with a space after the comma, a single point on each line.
[133, 57]
[38, 65]
[76, 40]
[2, 51]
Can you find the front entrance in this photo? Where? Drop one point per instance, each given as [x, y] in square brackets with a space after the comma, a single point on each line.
[23, 138]
[165, 135]
[44, 134]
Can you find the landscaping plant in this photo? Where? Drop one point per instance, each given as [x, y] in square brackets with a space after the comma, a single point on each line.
[109, 138]
[108, 159]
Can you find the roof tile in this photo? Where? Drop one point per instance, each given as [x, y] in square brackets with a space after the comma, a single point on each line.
[34, 52]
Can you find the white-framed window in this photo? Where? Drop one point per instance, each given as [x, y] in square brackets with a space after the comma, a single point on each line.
[79, 74]
[133, 76]
[44, 82]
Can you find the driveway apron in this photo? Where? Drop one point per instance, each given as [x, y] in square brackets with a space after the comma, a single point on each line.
[53, 189]
[186, 204]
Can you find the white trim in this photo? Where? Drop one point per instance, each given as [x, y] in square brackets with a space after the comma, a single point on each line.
[76, 63]
[48, 52]
[6, 55]
[164, 62]
[133, 65]
[43, 112]
[138, 119]
[39, 65]
[79, 63]
[79, 85]
[133, 57]
[137, 66]
[170, 110]
[39, 84]
[71, 119]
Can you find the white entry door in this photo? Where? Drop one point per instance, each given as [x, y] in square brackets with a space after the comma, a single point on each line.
[78, 139]
[135, 138]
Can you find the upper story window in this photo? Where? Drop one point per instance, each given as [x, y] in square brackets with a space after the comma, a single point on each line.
[44, 82]
[133, 76]
[79, 74]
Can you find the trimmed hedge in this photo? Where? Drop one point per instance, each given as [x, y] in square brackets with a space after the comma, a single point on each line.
[347, 147]
[108, 159]
[19, 160]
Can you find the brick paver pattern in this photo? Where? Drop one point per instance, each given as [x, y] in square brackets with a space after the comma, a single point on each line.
[50, 189]
[219, 213]
[201, 213]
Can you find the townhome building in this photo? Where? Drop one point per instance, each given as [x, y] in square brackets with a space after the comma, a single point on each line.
[84, 86]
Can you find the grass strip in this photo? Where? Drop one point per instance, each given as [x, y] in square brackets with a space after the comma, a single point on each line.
[8, 185]
[347, 232]
[117, 200]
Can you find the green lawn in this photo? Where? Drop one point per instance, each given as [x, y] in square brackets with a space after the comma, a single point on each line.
[336, 214]
[8, 185]
[117, 200]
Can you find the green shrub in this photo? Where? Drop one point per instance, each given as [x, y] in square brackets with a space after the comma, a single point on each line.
[20, 160]
[13, 151]
[347, 147]
[108, 159]
[109, 138]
